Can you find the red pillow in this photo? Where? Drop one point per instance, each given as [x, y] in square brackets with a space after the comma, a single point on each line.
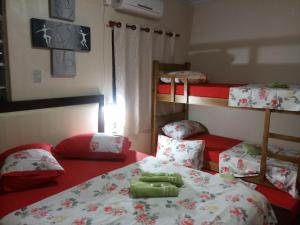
[28, 166]
[94, 146]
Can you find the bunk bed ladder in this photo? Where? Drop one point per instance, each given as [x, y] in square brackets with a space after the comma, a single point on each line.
[265, 153]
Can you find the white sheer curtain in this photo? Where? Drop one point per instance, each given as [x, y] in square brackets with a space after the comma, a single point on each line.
[134, 52]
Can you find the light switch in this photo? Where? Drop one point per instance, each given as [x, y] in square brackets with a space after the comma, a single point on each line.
[37, 76]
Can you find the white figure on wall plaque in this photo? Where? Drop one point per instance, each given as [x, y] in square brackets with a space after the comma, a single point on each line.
[45, 35]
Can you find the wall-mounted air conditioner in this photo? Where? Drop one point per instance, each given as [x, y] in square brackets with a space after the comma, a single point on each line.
[146, 8]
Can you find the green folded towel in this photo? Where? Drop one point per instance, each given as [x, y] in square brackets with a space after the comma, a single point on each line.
[251, 150]
[173, 178]
[277, 85]
[227, 176]
[140, 189]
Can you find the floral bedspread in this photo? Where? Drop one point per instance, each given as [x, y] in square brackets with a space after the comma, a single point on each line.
[205, 199]
[280, 173]
[260, 96]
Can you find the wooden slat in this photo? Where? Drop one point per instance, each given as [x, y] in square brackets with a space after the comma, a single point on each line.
[185, 90]
[193, 100]
[284, 137]
[264, 154]
[259, 180]
[209, 165]
[284, 157]
[183, 76]
[208, 101]
[172, 97]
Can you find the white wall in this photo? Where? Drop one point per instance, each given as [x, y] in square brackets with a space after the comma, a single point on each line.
[246, 41]
[93, 68]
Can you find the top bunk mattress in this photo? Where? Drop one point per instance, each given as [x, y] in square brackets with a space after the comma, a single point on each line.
[262, 96]
[257, 96]
[210, 90]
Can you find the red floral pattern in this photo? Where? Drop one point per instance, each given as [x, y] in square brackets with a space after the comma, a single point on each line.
[105, 200]
[180, 152]
[183, 129]
[282, 174]
[260, 96]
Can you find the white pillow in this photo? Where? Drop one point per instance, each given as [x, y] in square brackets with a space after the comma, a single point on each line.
[183, 129]
[187, 153]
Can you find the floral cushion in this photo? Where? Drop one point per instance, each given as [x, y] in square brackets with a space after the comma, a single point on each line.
[181, 152]
[94, 146]
[28, 167]
[193, 77]
[183, 129]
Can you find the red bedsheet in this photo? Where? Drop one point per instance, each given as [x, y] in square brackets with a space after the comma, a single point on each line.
[201, 90]
[77, 171]
[214, 145]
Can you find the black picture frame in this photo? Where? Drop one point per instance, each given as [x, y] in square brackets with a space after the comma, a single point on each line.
[57, 35]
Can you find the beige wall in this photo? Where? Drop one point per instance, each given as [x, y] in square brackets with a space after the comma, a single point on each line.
[246, 41]
[24, 59]
[93, 68]
[50, 125]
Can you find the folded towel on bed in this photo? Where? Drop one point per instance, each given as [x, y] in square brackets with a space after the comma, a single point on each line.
[251, 149]
[173, 178]
[140, 189]
[277, 85]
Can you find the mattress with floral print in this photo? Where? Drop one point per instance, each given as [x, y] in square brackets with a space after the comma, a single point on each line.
[282, 174]
[263, 96]
[204, 199]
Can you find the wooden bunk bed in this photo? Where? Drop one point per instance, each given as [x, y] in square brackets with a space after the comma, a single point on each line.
[181, 93]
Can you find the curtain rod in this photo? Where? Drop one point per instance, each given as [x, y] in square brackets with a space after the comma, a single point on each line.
[133, 27]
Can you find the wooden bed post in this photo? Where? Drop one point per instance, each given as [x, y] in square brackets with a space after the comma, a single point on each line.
[264, 153]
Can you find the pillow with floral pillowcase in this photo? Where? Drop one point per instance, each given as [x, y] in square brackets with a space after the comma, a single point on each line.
[187, 153]
[28, 166]
[94, 146]
[183, 129]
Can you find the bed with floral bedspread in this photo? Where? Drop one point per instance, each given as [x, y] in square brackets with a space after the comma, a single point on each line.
[282, 175]
[204, 199]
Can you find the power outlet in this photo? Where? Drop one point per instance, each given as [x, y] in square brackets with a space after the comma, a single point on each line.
[37, 76]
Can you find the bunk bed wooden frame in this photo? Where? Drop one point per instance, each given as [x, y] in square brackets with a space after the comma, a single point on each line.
[160, 70]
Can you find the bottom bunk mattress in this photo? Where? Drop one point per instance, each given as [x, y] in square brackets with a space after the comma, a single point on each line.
[216, 145]
[106, 199]
[77, 171]
[241, 163]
